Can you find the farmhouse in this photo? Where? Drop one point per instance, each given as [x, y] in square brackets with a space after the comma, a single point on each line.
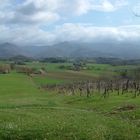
[40, 72]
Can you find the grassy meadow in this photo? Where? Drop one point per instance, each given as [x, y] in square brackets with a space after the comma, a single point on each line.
[28, 112]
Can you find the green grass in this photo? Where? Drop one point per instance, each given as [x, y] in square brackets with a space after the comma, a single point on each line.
[56, 75]
[39, 80]
[29, 113]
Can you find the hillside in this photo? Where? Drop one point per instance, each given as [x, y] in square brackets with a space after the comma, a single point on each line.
[74, 50]
[32, 113]
[8, 50]
[77, 49]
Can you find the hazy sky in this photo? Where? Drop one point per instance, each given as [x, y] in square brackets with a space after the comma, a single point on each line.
[49, 21]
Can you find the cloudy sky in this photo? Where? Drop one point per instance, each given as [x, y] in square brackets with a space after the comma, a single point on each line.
[50, 21]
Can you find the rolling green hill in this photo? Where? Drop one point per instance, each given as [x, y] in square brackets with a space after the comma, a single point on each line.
[28, 112]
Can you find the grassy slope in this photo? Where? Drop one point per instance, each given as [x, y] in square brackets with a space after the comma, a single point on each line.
[56, 75]
[28, 113]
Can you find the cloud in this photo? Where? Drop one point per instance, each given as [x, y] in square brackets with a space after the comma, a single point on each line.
[80, 32]
[48, 11]
[21, 22]
[69, 32]
[136, 10]
[27, 12]
[85, 6]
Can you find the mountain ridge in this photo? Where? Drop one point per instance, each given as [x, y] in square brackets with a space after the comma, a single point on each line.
[73, 50]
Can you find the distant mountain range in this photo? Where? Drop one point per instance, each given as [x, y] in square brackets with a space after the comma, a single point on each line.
[74, 50]
[8, 50]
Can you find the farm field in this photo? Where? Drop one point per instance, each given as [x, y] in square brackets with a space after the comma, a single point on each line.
[30, 112]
